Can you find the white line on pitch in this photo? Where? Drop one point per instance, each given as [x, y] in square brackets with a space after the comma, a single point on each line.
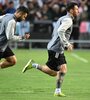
[22, 92]
[79, 58]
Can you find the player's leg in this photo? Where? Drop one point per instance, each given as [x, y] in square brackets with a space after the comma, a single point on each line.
[10, 58]
[62, 69]
[44, 68]
[9, 61]
[60, 77]
[47, 70]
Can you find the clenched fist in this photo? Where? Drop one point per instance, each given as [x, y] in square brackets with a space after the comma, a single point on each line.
[70, 47]
[27, 36]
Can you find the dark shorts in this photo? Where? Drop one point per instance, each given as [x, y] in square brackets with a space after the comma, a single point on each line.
[55, 60]
[7, 53]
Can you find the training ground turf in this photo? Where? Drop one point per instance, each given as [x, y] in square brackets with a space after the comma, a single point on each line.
[35, 85]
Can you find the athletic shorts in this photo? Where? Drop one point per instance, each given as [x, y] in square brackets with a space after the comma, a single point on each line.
[55, 60]
[7, 53]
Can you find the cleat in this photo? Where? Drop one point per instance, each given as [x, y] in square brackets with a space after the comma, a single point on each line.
[59, 94]
[28, 66]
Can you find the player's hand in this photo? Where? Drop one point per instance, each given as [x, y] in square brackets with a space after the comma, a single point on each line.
[70, 47]
[27, 35]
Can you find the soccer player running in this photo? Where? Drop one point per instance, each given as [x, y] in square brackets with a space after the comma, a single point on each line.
[7, 30]
[56, 64]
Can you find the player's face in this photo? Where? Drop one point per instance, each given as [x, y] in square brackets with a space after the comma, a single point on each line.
[75, 11]
[21, 17]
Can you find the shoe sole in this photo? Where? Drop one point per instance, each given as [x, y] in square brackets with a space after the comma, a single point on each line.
[24, 69]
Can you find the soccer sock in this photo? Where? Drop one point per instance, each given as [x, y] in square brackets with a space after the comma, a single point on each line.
[60, 80]
[37, 66]
[58, 90]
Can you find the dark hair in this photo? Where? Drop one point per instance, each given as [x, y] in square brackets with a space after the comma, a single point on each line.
[11, 2]
[71, 5]
[22, 9]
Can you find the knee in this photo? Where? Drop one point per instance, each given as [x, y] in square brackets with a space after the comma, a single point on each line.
[63, 69]
[13, 61]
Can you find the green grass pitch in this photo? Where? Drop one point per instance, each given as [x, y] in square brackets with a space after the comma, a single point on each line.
[35, 85]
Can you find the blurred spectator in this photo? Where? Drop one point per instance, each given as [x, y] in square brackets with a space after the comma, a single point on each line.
[83, 1]
[38, 15]
[10, 8]
[83, 7]
[88, 11]
[16, 2]
[46, 13]
[32, 11]
[83, 11]
[4, 4]
[62, 5]
[40, 3]
[52, 2]
[1, 10]
[56, 12]
[21, 3]
[35, 3]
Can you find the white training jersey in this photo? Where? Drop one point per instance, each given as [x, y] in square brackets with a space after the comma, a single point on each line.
[61, 34]
[7, 30]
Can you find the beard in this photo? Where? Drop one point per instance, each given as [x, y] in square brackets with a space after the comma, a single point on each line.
[19, 19]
